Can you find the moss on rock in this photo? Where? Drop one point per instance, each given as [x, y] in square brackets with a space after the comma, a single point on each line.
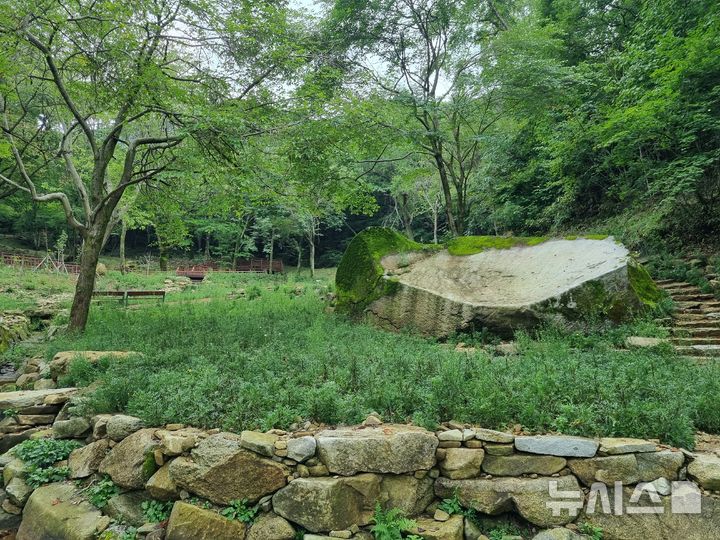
[470, 245]
[359, 277]
[643, 285]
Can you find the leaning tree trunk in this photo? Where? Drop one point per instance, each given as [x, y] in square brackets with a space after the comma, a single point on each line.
[86, 279]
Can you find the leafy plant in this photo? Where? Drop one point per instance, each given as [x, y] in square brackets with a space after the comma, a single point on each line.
[10, 413]
[101, 492]
[596, 533]
[451, 505]
[390, 524]
[239, 510]
[156, 511]
[503, 531]
[37, 476]
[42, 453]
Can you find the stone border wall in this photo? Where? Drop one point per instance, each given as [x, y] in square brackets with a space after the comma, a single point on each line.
[327, 482]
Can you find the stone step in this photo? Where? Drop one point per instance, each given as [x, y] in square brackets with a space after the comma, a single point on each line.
[675, 292]
[699, 350]
[694, 297]
[704, 323]
[695, 340]
[666, 282]
[696, 332]
[689, 314]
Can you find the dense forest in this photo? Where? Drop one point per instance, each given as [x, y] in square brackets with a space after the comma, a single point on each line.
[199, 129]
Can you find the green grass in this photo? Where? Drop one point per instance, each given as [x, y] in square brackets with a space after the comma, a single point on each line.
[279, 357]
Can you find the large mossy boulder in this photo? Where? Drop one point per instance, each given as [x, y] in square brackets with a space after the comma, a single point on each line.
[500, 283]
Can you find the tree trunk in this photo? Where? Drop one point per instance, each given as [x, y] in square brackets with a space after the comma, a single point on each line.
[86, 279]
[405, 216]
[447, 194]
[123, 233]
[272, 249]
[207, 247]
[311, 240]
[299, 255]
[163, 257]
[435, 226]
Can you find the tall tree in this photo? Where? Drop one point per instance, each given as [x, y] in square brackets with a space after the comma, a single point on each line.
[109, 91]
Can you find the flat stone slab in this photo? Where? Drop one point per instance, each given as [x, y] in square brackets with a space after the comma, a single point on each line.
[623, 445]
[29, 398]
[389, 448]
[557, 445]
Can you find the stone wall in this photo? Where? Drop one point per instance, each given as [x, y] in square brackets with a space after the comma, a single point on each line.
[327, 482]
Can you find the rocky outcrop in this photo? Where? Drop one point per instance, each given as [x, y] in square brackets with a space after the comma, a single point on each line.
[503, 284]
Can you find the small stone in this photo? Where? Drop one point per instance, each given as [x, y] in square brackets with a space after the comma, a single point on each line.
[450, 435]
[490, 435]
[662, 486]
[318, 470]
[494, 449]
[27, 379]
[372, 420]
[44, 384]
[120, 426]
[260, 443]
[468, 434]
[281, 453]
[341, 534]
[11, 508]
[643, 342]
[302, 448]
[161, 486]
[461, 463]
[449, 444]
[613, 446]
[70, 429]
[281, 444]
[474, 443]
[35, 419]
[174, 427]
[18, 491]
[85, 461]
[441, 515]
